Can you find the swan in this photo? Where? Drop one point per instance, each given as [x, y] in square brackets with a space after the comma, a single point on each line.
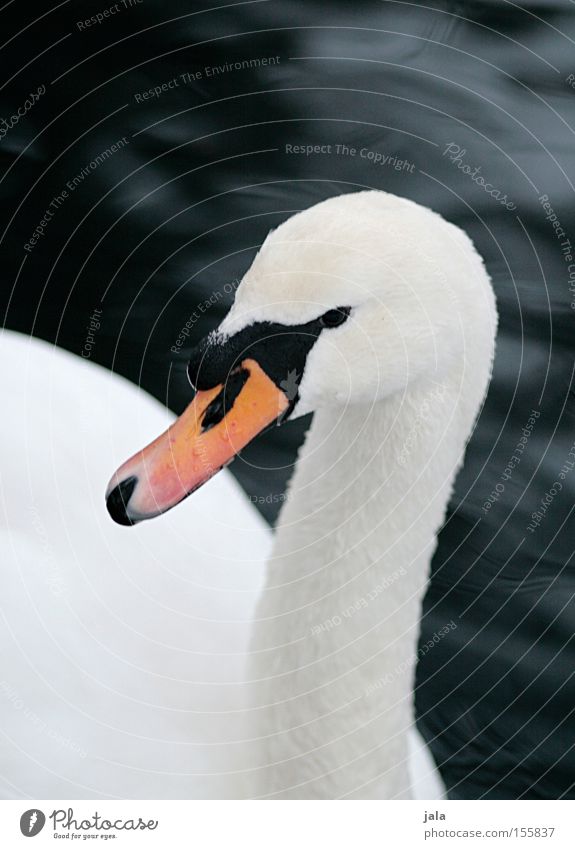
[378, 316]
[122, 671]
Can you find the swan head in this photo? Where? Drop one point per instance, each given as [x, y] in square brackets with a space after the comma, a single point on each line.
[347, 302]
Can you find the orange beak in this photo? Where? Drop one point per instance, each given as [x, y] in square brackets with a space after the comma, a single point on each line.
[204, 439]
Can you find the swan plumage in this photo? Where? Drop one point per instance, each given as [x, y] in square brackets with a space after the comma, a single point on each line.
[378, 316]
[123, 656]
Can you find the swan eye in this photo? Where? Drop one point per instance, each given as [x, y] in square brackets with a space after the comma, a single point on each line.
[333, 318]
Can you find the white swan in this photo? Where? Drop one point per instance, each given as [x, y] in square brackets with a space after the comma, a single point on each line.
[121, 655]
[379, 316]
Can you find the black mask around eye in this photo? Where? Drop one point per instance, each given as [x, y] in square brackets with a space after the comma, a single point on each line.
[280, 349]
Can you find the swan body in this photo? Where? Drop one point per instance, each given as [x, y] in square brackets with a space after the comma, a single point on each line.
[377, 315]
[122, 672]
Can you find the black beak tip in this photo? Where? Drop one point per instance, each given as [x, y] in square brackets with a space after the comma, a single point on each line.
[117, 501]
